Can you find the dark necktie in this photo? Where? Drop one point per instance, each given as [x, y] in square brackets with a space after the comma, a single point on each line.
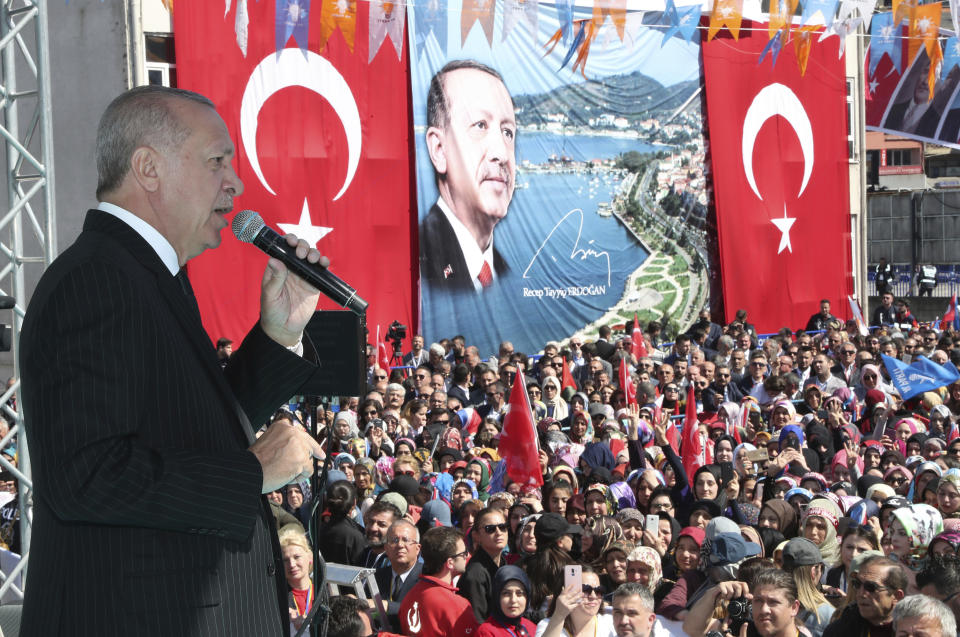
[395, 589]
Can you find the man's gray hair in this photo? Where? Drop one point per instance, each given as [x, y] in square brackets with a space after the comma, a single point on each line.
[633, 588]
[395, 526]
[140, 117]
[397, 387]
[437, 348]
[925, 606]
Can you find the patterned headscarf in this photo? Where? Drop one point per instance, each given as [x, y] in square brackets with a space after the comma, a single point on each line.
[952, 476]
[950, 537]
[652, 559]
[827, 511]
[922, 523]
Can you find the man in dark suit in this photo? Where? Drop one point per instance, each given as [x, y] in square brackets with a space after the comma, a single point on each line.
[395, 580]
[471, 131]
[148, 480]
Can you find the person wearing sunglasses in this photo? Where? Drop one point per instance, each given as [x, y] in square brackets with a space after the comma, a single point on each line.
[489, 534]
[876, 587]
[576, 612]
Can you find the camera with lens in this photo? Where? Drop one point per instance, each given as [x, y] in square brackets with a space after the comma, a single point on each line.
[396, 332]
[739, 611]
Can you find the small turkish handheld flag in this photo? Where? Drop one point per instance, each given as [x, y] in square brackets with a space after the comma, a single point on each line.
[518, 440]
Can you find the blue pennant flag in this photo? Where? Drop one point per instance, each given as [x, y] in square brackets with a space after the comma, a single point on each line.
[920, 376]
[773, 48]
[497, 477]
[683, 21]
[565, 13]
[292, 18]
[430, 16]
[827, 7]
[951, 55]
[577, 41]
[883, 40]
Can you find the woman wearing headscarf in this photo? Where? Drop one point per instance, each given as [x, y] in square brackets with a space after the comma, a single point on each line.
[941, 421]
[729, 413]
[479, 472]
[946, 543]
[870, 378]
[780, 515]
[556, 406]
[911, 530]
[510, 599]
[898, 479]
[688, 578]
[948, 494]
[581, 428]
[819, 525]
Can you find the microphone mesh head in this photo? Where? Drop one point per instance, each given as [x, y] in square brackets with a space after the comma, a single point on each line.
[246, 225]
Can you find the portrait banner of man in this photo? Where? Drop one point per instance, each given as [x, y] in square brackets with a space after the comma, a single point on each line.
[548, 202]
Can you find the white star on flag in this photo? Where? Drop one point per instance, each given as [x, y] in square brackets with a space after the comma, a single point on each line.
[784, 225]
[873, 86]
[305, 228]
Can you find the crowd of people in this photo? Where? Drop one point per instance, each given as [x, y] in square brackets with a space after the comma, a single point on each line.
[822, 502]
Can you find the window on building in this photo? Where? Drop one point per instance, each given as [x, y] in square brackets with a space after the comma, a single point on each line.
[900, 157]
[161, 59]
[853, 150]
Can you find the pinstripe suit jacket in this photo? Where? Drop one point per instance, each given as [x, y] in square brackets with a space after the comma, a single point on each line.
[148, 515]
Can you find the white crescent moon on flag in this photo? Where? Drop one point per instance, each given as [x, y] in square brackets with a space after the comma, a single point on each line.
[293, 67]
[777, 99]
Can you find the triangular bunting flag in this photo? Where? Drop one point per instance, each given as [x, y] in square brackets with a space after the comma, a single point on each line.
[923, 30]
[682, 20]
[515, 11]
[430, 17]
[292, 17]
[387, 18]
[826, 8]
[726, 13]
[240, 24]
[884, 41]
[901, 10]
[802, 41]
[616, 9]
[338, 14]
[773, 48]
[781, 19]
[474, 11]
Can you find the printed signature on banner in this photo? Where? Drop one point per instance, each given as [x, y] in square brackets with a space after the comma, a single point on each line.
[564, 292]
[576, 252]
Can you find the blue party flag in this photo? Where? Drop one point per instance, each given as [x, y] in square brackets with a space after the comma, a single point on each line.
[292, 18]
[827, 7]
[920, 376]
[883, 40]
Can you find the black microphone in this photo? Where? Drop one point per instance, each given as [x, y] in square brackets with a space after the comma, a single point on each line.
[249, 227]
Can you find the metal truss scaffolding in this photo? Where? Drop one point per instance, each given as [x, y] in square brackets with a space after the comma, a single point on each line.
[27, 221]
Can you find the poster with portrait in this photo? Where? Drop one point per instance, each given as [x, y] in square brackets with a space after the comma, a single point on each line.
[900, 102]
[551, 201]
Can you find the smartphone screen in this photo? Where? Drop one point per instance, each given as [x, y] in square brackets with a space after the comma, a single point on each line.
[653, 524]
[573, 577]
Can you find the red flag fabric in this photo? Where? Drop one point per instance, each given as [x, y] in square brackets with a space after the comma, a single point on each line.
[567, 379]
[322, 141]
[780, 178]
[951, 317]
[518, 439]
[692, 447]
[383, 358]
[626, 383]
[639, 345]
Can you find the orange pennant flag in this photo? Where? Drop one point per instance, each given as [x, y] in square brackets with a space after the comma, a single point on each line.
[616, 9]
[901, 10]
[591, 29]
[802, 41]
[781, 16]
[933, 74]
[168, 5]
[924, 29]
[726, 13]
[474, 11]
[340, 14]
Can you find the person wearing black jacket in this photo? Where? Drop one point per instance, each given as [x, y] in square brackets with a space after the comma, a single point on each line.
[476, 584]
[819, 321]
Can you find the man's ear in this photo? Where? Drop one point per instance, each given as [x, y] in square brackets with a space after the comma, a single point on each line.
[437, 150]
[145, 168]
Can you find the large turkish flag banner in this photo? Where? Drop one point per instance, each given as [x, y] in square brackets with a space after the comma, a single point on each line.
[778, 147]
[322, 148]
